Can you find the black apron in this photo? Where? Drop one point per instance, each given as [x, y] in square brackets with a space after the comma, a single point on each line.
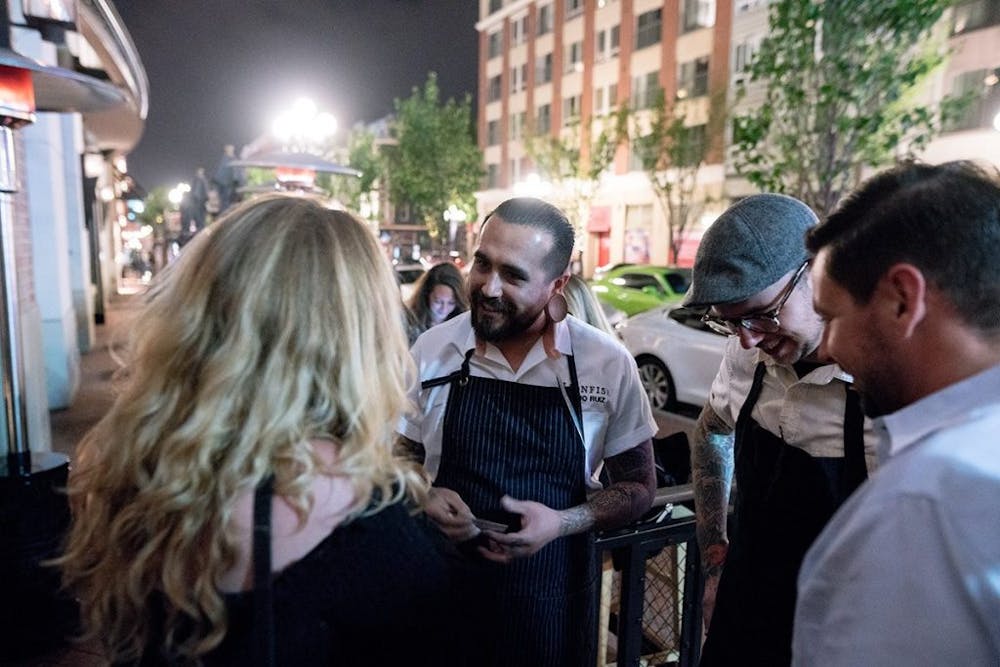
[521, 440]
[784, 497]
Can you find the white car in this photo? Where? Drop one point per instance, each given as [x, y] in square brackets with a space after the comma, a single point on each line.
[678, 356]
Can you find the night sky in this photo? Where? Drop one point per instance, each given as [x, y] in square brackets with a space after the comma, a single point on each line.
[220, 70]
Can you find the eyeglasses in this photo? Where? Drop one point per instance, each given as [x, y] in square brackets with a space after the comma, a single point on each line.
[761, 322]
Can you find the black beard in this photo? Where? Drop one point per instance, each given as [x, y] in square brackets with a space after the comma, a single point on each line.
[510, 326]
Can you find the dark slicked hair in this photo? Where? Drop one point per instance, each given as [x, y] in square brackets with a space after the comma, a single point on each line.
[542, 215]
[943, 219]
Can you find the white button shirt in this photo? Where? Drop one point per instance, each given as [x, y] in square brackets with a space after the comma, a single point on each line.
[908, 570]
[616, 412]
[806, 412]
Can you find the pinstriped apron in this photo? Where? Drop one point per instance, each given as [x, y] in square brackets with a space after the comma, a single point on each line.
[508, 438]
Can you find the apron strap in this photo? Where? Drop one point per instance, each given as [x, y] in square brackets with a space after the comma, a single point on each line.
[461, 375]
[751, 400]
[855, 471]
[263, 607]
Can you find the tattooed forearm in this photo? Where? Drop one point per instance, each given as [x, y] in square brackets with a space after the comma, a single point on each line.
[712, 473]
[633, 484]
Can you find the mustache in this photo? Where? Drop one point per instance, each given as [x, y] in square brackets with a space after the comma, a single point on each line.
[494, 303]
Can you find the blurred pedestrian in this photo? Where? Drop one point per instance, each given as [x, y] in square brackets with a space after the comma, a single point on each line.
[225, 178]
[199, 199]
[907, 275]
[781, 415]
[239, 503]
[438, 295]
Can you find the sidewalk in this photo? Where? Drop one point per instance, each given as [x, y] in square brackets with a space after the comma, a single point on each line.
[93, 399]
[95, 395]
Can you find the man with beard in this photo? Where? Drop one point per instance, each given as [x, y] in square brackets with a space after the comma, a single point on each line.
[783, 418]
[907, 275]
[517, 408]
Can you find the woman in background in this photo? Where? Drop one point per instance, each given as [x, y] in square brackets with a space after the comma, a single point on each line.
[439, 295]
[239, 503]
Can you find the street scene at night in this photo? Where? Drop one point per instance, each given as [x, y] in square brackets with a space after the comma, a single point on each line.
[500, 332]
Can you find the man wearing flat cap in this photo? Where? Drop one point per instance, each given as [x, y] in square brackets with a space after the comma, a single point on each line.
[784, 419]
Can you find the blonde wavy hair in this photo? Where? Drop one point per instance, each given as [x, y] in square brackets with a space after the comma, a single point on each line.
[278, 324]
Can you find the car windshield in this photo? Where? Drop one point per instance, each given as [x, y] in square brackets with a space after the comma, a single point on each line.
[678, 279]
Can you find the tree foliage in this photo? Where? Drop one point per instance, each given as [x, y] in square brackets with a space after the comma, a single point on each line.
[436, 162]
[575, 173]
[842, 82]
[362, 155]
[671, 154]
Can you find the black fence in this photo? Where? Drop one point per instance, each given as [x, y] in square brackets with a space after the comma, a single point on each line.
[656, 590]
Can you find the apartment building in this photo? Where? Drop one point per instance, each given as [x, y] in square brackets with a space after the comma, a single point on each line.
[973, 68]
[546, 64]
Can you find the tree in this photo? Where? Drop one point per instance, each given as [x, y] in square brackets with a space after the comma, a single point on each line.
[671, 154]
[575, 160]
[842, 80]
[361, 154]
[436, 162]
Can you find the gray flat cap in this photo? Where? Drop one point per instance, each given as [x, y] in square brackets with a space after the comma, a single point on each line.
[749, 248]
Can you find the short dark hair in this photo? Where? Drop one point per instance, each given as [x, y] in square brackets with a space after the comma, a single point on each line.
[944, 219]
[539, 214]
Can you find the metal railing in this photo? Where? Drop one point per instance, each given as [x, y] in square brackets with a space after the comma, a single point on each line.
[660, 587]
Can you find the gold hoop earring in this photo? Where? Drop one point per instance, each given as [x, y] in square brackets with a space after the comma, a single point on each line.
[557, 308]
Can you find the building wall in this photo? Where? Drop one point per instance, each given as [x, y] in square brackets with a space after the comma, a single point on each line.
[624, 197]
[622, 203]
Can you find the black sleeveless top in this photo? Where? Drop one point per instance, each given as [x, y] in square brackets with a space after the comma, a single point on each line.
[383, 589]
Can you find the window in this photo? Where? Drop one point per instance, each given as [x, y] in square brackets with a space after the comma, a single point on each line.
[518, 78]
[605, 99]
[545, 19]
[573, 7]
[517, 125]
[698, 14]
[742, 56]
[693, 145]
[492, 176]
[543, 119]
[645, 89]
[495, 92]
[493, 133]
[514, 171]
[647, 29]
[983, 86]
[495, 5]
[570, 108]
[694, 79]
[607, 43]
[519, 30]
[574, 57]
[973, 15]
[495, 45]
[543, 69]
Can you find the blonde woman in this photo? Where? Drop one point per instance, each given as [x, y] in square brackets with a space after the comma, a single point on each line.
[258, 385]
[583, 305]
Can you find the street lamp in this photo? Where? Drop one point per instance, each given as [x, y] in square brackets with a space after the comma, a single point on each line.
[303, 126]
[454, 216]
[176, 194]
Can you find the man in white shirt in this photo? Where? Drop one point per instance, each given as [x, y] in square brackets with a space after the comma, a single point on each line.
[907, 278]
[516, 409]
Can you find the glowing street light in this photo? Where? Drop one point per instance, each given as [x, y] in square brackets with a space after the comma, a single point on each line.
[303, 125]
[176, 194]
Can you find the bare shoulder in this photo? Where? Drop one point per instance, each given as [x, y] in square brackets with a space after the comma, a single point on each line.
[291, 538]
